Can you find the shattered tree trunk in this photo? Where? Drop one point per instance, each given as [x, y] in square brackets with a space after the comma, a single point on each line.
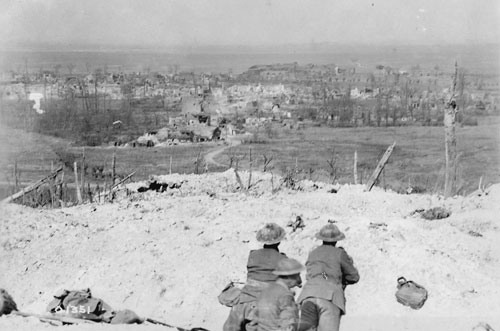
[450, 114]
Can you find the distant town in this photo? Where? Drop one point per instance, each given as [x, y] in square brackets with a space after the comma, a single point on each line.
[102, 106]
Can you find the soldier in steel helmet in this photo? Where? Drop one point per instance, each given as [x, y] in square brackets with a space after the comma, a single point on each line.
[276, 308]
[260, 266]
[329, 271]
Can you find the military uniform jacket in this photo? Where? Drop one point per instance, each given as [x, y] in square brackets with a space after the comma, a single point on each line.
[329, 270]
[260, 267]
[276, 308]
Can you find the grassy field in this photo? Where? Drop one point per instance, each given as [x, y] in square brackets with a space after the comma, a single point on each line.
[35, 154]
[146, 161]
[418, 159]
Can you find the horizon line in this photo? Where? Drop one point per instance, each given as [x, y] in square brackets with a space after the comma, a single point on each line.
[81, 46]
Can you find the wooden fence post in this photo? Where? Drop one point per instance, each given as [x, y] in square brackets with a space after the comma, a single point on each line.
[249, 168]
[16, 185]
[83, 172]
[355, 167]
[98, 189]
[52, 185]
[380, 167]
[113, 169]
[78, 192]
[89, 193]
[65, 194]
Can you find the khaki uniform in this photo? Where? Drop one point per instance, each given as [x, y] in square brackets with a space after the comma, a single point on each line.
[261, 263]
[329, 270]
[276, 309]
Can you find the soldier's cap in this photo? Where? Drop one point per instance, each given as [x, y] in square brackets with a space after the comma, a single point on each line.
[288, 267]
[270, 234]
[330, 233]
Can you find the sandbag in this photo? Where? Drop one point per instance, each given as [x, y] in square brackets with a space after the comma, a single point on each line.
[81, 304]
[230, 295]
[410, 293]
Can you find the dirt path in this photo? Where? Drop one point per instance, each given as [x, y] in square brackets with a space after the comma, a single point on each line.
[209, 157]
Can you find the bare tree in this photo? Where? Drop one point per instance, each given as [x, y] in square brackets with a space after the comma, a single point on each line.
[198, 163]
[127, 91]
[234, 159]
[332, 165]
[378, 108]
[386, 109]
[406, 98]
[97, 75]
[267, 161]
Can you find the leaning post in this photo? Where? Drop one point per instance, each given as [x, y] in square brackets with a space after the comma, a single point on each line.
[380, 166]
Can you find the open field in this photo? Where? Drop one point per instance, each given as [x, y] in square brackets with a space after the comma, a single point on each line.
[418, 159]
[35, 154]
[147, 161]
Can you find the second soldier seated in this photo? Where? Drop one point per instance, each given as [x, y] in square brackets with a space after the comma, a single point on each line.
[276, 307]
[260, 266]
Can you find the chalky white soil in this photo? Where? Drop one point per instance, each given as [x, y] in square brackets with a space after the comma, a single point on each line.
[168, 255]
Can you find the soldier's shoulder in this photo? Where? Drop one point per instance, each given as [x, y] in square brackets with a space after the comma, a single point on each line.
[342, 249]
[344, 255]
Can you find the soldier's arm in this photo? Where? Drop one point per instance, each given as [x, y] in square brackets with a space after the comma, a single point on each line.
[350, 274]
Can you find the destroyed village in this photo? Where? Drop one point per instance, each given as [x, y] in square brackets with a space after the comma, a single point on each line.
[249, 166]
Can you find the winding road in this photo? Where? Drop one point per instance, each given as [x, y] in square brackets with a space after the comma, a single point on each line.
[209, 157]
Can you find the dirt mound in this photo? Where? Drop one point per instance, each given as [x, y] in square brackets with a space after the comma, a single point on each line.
[167, 255]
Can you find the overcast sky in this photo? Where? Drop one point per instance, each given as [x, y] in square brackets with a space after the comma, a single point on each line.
[248, 22]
